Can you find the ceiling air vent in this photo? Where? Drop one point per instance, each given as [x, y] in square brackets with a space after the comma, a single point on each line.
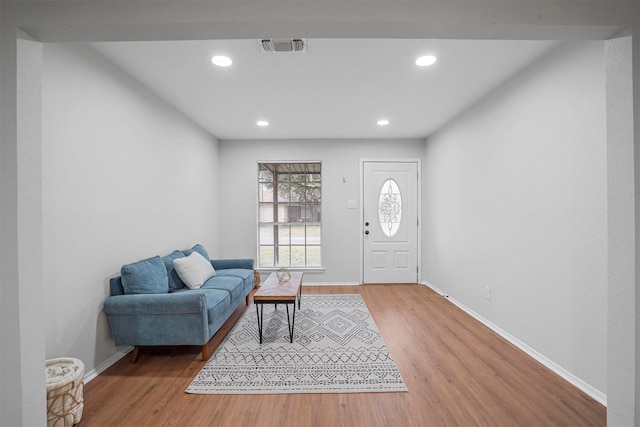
[283, 45]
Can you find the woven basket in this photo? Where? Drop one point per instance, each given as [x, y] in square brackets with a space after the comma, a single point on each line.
[64, 392]
[256, 279]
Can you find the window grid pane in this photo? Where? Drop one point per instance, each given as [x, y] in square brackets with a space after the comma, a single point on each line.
[289, 214]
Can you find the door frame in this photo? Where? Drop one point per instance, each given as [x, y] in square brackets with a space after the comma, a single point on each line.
[416, 160]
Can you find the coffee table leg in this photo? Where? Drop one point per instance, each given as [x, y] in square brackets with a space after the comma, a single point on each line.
[291, 322]
[259, 314]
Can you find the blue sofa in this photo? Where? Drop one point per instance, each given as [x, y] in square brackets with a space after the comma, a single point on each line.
[152, 306]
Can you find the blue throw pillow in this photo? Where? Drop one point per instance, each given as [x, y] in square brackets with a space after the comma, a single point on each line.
[148, 276]
[197, 248]
[175, 282]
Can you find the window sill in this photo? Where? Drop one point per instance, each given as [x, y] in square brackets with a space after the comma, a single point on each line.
[303, 269]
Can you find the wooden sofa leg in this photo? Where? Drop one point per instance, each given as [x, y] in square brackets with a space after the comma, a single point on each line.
[135, 354]
[205, 352]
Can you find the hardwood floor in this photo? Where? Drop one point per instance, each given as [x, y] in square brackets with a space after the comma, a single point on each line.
[458, 372]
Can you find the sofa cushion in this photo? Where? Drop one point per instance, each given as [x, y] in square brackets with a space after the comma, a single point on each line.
[147, 276]
[231, 284]
[243, 273]
[194, 270]
[175, 282]
[197, 248]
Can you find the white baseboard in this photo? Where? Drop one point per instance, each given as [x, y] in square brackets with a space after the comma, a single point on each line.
[563, 373]
[106, 364]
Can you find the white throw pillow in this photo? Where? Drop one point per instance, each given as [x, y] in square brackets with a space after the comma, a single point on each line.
[194, 270]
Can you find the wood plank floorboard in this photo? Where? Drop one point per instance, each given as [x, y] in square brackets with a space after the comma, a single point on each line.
[458, 373]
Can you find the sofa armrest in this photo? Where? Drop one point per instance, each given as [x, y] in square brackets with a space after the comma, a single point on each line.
[115, 286]
[158, 319]
[144, 304]
[223, 264]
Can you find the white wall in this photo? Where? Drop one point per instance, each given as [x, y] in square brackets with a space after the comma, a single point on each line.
[125, 177]
[622, 181]
[1, 305]
[515, 199]
[341, 232]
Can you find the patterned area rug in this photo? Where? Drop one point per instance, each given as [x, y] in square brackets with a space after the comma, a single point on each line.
[336, 348]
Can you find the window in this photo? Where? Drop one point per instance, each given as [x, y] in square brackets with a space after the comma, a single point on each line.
[390, 208]
[289, 212]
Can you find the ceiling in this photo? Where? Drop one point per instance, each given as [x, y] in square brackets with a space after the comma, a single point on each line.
[337, 89]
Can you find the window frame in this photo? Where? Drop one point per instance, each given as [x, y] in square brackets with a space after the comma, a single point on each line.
[304, 206]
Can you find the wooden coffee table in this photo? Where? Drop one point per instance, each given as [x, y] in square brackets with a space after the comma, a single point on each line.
[274, 292]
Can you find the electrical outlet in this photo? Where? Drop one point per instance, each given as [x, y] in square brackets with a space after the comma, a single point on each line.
[487, 293]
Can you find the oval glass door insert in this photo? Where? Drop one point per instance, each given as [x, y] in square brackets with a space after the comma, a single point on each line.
[390, 208]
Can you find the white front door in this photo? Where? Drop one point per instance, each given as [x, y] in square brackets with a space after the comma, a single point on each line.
[390, 222]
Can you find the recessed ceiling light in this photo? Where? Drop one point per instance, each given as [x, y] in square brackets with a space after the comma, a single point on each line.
[221, 61]
[425, 61]
[383, 122]
[262, 123]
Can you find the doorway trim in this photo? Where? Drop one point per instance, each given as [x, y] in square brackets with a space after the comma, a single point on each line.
[416, 160]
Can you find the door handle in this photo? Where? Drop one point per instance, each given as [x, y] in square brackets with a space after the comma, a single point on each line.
[366, 223]
[366, 232]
